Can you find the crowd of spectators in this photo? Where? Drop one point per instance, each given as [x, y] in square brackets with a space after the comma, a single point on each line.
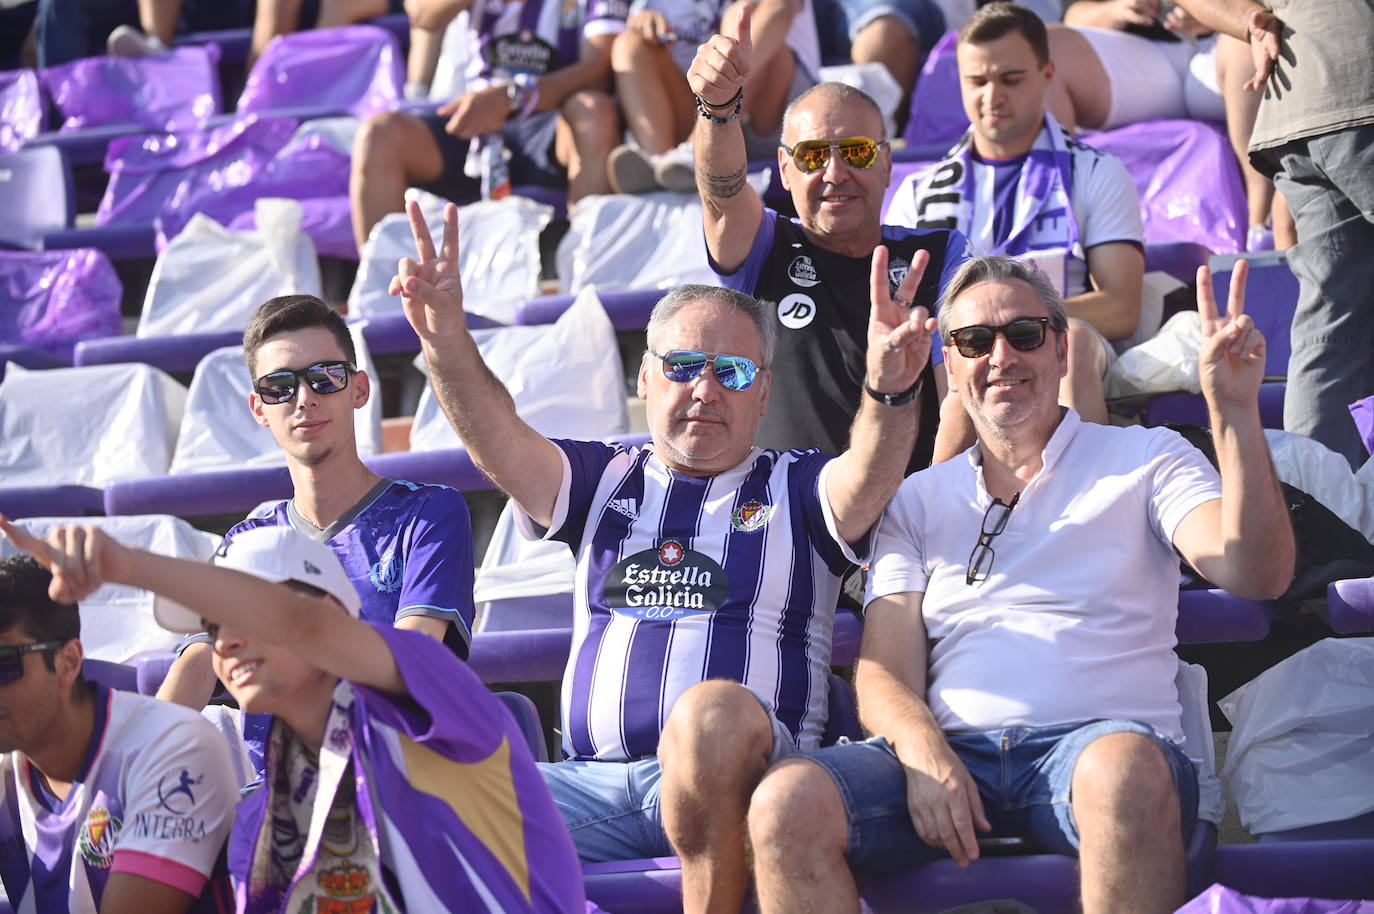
[862, 386]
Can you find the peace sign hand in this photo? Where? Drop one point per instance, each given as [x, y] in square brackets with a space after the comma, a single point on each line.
[898, 336]
[431, 289]
[1231, 363]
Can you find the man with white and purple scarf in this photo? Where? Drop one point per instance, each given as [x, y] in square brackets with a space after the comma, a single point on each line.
[1018, 184]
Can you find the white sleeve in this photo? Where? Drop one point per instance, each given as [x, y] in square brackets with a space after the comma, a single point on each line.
[179, 799]
[902, 211]
[1106, 204]
[898, 556]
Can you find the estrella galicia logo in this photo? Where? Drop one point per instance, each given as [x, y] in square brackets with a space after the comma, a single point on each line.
[751, 516]
[96, 840]
[802, 271]
[170, 798]
[666, 583]
[386, 574]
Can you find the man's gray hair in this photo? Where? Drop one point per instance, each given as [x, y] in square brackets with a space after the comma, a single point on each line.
[842, 94]
[978, 270]
[758, 311]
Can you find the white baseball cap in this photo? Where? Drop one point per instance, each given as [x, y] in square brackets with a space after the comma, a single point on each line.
[274, 554]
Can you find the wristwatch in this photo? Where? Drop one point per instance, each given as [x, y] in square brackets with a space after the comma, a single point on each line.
[898, 399]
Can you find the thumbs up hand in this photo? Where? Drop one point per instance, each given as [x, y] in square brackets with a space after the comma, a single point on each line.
[722, 64]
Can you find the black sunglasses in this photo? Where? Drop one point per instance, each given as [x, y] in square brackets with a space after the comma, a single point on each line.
[977, 340]
[12, 657]
[323, 378]
[734, 372]
[980, 559]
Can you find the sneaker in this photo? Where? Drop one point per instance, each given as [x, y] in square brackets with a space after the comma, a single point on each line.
[1259, 238]
[631, 172]
[127, 41]
[676, 169]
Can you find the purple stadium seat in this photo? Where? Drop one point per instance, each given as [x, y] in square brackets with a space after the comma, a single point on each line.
[1208, 616]
[234, 43]
[86, 146]
[172, 354]
[1180, 259]
[1183, 408]
[554, 197]
[1350, 606]
[171, 91]
[25, 357]
[628, 309]
[842, 717]
[115, 675]
[1271, 295]
[937, 109]
[391, 334]
[1307, 869]
[1355, 828]
[151, 669]
[51, 501]
[36, 196]
[117, 242]
[527, 719]
[195, 494]
[355, 68]
[22, 109]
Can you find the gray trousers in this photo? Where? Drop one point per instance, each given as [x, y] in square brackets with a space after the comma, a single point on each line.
[1328, 182]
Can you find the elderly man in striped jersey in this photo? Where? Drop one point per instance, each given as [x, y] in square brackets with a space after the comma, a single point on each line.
[707, 568]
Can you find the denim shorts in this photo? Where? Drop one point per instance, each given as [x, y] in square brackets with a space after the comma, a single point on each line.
[1023, 776]
[838, 21]
[611, 808]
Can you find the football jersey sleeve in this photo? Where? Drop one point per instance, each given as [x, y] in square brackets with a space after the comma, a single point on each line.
[583, 464]
[179, 799]
[807, 478]
[746, 278]
[438, 576]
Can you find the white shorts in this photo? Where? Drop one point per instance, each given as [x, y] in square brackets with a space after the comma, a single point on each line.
[1155, 80]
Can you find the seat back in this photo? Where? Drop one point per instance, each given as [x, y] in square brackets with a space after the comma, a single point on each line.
[36, 195]
[1271, 296]
[356, 69]
[527, 718]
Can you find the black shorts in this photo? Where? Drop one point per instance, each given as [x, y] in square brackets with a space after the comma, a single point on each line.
[532, 159]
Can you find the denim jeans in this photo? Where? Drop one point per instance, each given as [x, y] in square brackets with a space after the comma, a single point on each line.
[1328, 182]
[1023, 776]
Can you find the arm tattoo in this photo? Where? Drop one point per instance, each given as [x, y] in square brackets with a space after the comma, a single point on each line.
[722, 187]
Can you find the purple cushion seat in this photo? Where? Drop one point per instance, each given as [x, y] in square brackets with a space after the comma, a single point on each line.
[1287, 869]
[50, 300]
[21, 108]
[51, 501]
[172, 354]
[355, 68]
[36, 195]
[1350, 606]
[117, 242]
[170, 91]
[1271, 297]
[1184, 408]
[628, 309]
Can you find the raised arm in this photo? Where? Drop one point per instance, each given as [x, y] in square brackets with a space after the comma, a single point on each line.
[1242, 542]
[863, 479]
[890, 682]
[82, 558]
[731, 208]
[522, 462]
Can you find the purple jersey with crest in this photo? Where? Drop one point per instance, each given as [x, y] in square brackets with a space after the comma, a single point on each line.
[682, 579]
[154, 797]
[446, 786]
[535, 36]
[407, 548]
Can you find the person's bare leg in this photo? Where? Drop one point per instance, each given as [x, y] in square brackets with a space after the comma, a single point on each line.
[346, 12]
[1081, 389]
[887, 41]
[158, 19]
[390, 152]
[588, 129]
[799, 833]
[1130, 843]
[1234, 69]
[714, 749]
[273, 18]
[1080, 94]
[653, 93]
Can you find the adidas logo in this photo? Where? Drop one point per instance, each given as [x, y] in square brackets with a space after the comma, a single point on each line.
[625, 507]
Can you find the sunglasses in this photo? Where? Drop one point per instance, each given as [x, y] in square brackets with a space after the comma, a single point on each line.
[856, 151]
[1024, 333]
[12, 657]
[734, 372]
[323, 378]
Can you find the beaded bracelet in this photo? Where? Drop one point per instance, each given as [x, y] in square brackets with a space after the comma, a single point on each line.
[738, 100]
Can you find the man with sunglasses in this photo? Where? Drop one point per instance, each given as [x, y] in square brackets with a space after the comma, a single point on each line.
[1017, 667]
[407, 547]
[1019, 184]
[109, 800]
[836, 163]
[707, 567]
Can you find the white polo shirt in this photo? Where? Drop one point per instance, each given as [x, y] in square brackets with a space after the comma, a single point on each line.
[1076, 620]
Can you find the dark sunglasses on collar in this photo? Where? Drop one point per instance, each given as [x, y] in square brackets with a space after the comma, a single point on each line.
[856, 152]
[12, 657]
[323, 378]
[734, 372]
[977, 340]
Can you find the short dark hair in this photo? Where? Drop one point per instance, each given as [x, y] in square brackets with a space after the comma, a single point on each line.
[288, 313]
[991, 22]
[25, 604]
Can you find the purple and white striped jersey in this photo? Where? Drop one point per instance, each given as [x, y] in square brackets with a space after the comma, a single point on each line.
[534, 36]
[682, 579]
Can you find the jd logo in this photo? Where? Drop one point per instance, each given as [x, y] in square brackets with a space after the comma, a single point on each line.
[796, 311]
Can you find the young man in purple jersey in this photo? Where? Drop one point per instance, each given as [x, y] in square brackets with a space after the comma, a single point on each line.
[707, 568]
[406, 547]
[109, 801]
[395, 781]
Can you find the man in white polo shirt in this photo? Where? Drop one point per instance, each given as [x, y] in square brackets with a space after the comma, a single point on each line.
[1017, 667]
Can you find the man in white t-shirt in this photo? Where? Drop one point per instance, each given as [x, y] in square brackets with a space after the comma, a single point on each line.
[109, 800]
[1019, 184]
[1017, 669]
